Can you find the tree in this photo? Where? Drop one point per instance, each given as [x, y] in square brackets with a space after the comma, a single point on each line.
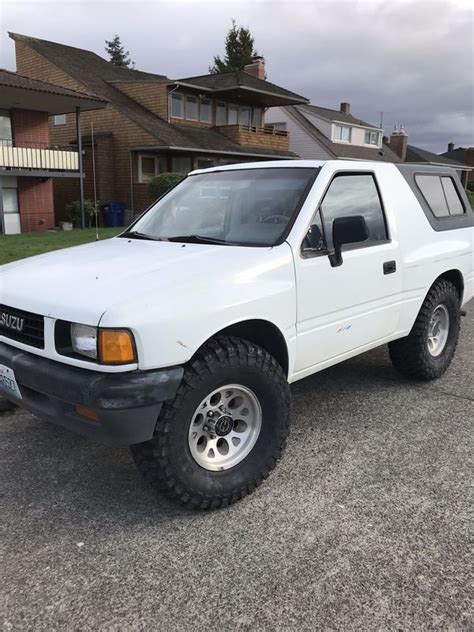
[117, 53]
[239, 50]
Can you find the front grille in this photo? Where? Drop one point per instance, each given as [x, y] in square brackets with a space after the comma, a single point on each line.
[22, 326]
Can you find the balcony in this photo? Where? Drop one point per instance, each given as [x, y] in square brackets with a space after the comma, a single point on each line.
[264, 137]
[37, 157]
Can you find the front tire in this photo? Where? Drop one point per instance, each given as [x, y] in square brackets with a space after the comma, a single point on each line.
[225, 430]
[428, 350]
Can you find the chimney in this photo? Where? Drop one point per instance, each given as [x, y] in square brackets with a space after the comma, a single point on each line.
[399, 142]
[450, 146]
[346, 108]
[257, 67]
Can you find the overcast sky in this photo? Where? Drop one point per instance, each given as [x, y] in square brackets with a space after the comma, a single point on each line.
[411, 60]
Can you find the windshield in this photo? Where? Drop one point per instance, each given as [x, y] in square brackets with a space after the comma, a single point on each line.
[247, 207]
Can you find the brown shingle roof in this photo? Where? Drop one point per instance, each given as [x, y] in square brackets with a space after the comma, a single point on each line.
[334, 115]
[14, 80]
[100, 76]
[236, 79]
[417, 154]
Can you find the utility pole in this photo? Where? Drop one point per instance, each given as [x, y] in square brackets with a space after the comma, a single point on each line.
[81, 173]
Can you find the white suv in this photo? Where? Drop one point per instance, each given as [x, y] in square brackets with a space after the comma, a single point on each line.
[181, 336]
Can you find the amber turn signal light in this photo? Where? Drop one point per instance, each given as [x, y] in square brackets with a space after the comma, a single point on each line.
[116, 346]
[83, 411]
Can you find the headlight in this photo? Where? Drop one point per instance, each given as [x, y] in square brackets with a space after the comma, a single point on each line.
[107, 346]
[84, 340]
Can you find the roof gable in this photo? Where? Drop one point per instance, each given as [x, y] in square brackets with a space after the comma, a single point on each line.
[341, 150]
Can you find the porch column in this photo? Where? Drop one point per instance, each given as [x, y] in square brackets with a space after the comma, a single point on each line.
[81, 174]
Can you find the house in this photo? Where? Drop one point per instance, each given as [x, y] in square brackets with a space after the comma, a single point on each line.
[153, 124]
[409, 153]
[29, 162]
[465, 155]
[321, 133]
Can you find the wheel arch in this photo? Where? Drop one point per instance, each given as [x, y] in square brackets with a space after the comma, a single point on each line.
[456, 278]
[263, 333]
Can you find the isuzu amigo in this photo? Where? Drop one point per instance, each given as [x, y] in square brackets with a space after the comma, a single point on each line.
[180, 337]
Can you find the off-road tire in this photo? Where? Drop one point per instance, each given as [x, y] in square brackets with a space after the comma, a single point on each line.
[166, 461]
[410, 355]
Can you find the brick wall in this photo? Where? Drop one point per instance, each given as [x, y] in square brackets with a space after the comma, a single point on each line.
[35, 198]
[30, 128]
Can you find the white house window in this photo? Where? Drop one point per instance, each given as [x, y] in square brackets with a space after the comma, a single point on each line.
[192, 108]
[257, 117]
[244, 116]
[148, 167]
[342, 133]
[371, 138]
[205, 113]
[181, 164]
[233, 114]
[279, 127]
[205, 163]
[221, 113]
[5, 126]
[177, 105]
[59, 119]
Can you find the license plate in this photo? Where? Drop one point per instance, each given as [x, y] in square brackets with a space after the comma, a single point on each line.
[8, 382]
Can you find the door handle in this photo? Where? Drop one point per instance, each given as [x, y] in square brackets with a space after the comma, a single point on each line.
[389, 267]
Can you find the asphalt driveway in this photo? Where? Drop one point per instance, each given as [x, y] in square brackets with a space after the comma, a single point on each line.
[364, 524]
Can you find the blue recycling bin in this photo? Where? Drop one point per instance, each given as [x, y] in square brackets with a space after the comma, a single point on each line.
[113, 213]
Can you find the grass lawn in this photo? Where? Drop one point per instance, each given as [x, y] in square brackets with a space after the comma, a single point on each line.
[13, 247]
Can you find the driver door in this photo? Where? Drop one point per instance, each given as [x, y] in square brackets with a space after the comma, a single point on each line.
[347, 309]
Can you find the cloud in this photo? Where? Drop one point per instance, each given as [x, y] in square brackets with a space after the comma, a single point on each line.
[411, 60]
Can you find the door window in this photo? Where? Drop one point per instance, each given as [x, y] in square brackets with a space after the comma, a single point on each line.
[348, 194]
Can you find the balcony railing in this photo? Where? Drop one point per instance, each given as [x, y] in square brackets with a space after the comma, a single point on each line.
[265, 137]
[38, 156]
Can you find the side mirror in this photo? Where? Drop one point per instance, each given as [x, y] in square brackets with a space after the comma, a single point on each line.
[346, 230]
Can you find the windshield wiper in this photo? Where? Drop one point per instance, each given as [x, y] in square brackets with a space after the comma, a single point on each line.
[135, 234]
[199, 239]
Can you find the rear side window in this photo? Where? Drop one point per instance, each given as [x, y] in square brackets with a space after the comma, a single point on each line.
[353, 194]
[452, 198]
[440, 194]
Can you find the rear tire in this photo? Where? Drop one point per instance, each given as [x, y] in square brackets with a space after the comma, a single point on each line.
[210, 461]
[427, 351]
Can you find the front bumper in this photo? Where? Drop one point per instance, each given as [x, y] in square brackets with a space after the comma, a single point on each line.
[127, 404]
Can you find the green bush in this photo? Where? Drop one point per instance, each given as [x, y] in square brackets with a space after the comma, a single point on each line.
[162, 183]
[470, 197]
[470, 186]
[73, 212]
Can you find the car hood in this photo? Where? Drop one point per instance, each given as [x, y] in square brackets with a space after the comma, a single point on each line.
[80, 284]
